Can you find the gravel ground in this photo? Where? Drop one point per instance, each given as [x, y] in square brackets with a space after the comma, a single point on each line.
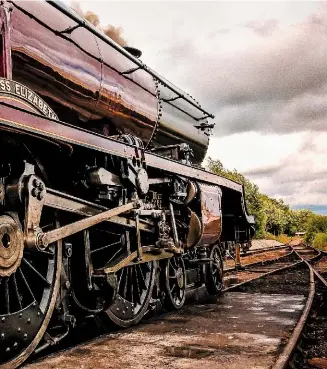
[261, 244]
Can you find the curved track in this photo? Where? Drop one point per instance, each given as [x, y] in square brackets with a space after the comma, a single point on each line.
[305, 348]
[278, 293]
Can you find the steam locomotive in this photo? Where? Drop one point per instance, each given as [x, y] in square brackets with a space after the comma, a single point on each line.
[104, 206]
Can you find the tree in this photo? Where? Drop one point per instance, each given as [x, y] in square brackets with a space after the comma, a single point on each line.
[272, 216]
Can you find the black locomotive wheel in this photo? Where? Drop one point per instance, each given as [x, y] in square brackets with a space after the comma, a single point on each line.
[28, 290]
[214, 272]
[173, 278]
[134, 290]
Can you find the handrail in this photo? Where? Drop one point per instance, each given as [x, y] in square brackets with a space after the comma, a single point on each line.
[85, 24]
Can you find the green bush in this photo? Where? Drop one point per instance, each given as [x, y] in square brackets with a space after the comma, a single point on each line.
[282, 238]
[320, 241]
[309, 237]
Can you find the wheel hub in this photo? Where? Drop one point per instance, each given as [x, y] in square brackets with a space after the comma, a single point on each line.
[180, 277]
[11, 245]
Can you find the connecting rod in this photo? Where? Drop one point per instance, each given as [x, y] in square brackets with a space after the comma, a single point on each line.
[44, 239]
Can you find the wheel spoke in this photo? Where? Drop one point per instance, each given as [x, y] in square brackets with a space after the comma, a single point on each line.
[175, 286]
[125, 282]
[108, 232]
[7, 301]
[36, 272]
[26, 284]
[136, 284]
[131, 284]
[141, 275]
[16, 292]
[28, 287]
[214, 272]
[137, 289]
[115, 254]
[106, 247]
[172, 262]
[119, 280]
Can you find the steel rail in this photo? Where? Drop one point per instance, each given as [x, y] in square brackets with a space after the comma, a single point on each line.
[264, 249]
[285, 355]
[295, 264]
[290, 266]
[257, 263]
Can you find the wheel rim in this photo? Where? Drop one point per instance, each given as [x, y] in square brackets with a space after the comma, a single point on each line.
[134, 284]
[134, 290]
[175, 280]
[216, 269]
[27, 298]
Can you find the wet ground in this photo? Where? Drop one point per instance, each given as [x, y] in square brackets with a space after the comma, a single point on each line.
[238, 330]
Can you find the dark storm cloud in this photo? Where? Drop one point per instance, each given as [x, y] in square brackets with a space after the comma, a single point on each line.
[263, 172]
[300, 177]
[277, 83]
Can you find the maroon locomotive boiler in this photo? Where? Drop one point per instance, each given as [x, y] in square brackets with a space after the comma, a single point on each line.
[105, 210]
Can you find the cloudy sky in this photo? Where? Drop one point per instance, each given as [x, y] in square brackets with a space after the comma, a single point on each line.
[260, 67]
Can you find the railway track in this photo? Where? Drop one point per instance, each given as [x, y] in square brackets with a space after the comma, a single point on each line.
[252, 271]
[307, 346]
[264, 249]
[257, 256]
[257, 322]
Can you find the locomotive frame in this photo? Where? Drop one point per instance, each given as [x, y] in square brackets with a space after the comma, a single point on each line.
[101, 224]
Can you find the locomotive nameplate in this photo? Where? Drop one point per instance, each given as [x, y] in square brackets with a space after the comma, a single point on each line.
[13, 88]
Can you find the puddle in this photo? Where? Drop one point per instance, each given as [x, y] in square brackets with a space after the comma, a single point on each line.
[282, 321]
[296, 307]
[254, 308]
[80, 351]
[191, 352]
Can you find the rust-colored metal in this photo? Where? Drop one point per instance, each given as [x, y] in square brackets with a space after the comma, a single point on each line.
[64, 202]
[11, 117]
[35, 192]
[237, 256]
[49, 51]
[56, 68]
[211, 217]
[11, 244]
[195, 230]
[5, 37]
[191, 192]
[70, 229]
[119, 263]
[148, 254]
[138, 236]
